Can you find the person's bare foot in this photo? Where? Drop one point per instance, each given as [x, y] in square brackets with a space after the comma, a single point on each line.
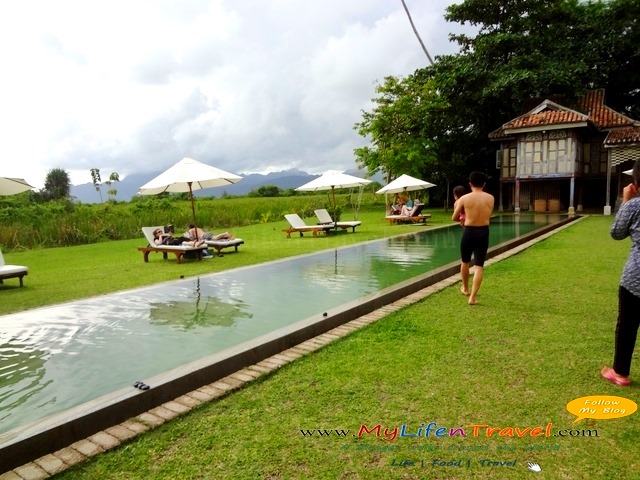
[464, 291]
[472, 301]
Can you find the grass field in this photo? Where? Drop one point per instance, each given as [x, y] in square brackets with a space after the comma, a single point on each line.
[543, 329]
[67, 273]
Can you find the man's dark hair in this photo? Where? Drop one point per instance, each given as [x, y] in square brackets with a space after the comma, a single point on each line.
[477, 179]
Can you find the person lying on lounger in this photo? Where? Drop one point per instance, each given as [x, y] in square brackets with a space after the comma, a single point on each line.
[199, 234]
[161, 238]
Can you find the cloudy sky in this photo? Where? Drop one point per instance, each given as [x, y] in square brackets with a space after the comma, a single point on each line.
[250, 86]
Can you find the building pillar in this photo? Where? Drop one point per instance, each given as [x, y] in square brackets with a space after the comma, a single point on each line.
[607, 202]
[572, 189]
[516, 199]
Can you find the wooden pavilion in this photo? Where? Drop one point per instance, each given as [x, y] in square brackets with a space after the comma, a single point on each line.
[565, 158]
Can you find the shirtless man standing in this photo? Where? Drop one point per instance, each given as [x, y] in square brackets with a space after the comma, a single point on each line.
[477, 207]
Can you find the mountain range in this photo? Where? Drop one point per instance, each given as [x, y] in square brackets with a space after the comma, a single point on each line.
[128, 187]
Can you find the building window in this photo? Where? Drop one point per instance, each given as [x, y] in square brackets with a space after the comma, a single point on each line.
[586, 165]
[545, 153]
[596, 158]
[533, 148]
[557, 154]
[509, 155]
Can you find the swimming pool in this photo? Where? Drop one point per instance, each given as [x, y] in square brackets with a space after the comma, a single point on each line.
[55, 358]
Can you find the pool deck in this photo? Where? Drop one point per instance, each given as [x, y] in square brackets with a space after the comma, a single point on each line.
[50, 446]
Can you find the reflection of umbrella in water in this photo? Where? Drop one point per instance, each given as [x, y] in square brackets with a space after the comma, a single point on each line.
[335, 276]
[407, 251]
[330, 180]
[198, 312]
[13, 186]
[186, 176]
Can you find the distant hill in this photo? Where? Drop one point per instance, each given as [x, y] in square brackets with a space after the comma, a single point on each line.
[128, 187]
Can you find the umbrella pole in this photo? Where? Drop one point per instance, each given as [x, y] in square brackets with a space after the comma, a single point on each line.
[193, 211]
[335, 208]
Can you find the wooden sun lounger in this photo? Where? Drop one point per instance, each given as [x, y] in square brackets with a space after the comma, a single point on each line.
[405, 219]
[178, 250]
[12, 271]
[297, 225]
[218, 245]
[324, 218]
[414, 217]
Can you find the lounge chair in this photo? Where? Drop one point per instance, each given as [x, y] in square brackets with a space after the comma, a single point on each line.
[11, 271]
[297, 225]
[177, 250]
[218, 245]
[324, 218]
[415, 216]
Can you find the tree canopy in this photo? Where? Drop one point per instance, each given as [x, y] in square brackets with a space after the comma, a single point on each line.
[57, 184]
[435, 122]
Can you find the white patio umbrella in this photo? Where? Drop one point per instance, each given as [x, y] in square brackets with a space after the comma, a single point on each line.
[330, 180]
[186, 176]
[13, 186]
[405, 183]
[628, 172]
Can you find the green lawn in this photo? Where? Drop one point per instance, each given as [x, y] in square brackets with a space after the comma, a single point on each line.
[542, 330]
[68, 273]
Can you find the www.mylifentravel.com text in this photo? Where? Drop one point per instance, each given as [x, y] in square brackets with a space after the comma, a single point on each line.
[449, 449]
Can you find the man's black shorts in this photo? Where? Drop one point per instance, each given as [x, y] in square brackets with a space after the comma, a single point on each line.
[475, 240]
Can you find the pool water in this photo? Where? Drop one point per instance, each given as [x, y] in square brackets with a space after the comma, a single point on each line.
[55, 358]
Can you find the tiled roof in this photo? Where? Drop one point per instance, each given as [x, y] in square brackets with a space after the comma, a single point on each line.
[546, 117]
[589, 108]
[603, 117]
[623, 136]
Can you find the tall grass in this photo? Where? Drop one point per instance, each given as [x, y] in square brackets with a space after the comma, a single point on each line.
[60, 224]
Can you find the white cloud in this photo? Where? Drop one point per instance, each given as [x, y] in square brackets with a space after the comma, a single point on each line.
[246, 85]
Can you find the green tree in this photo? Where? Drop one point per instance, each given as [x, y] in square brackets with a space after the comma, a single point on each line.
[533, 49]
[112, 192]
[437, 120]
[57, 184]
[266, 191]
[95, 178]
[398, 128]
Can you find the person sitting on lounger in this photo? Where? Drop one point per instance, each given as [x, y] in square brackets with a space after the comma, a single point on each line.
[199, 234]
[396, 206]
[162, 238]
[407, 207]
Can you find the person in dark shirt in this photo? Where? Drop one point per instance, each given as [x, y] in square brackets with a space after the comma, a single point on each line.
[627, 224]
